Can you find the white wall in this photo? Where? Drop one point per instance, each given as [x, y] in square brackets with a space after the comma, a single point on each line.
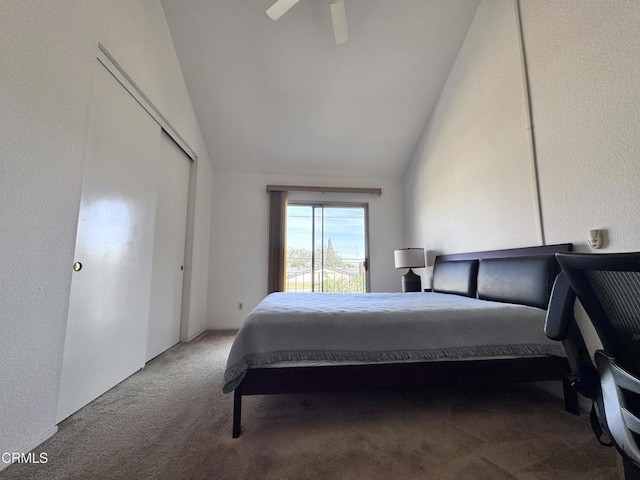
[197, 320]
[238, 266]
[469, 186]
[47, 55]
[584, 63]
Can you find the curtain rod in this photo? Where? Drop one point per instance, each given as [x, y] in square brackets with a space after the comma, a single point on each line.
[300, 188]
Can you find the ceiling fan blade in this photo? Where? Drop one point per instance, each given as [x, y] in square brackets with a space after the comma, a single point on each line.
[279, 8]
[339, 18]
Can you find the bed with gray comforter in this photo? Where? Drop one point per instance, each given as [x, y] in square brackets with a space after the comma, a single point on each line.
[485, 307]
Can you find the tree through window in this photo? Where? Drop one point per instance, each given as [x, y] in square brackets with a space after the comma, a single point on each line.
[326, 248]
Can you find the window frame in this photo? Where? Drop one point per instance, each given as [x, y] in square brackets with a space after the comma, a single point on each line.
[335, 204]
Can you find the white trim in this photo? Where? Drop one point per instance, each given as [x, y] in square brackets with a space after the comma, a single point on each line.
[188, 254]
[30, 446]
[530, 133]
[127, 82]
[196, 335]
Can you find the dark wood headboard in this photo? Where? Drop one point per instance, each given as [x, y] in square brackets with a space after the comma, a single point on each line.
[515, 275]
[510, 252]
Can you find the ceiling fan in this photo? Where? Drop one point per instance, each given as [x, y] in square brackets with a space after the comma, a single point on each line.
[338, 16]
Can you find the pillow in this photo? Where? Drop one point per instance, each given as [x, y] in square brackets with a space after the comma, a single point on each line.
[456, 276]
[521, 280]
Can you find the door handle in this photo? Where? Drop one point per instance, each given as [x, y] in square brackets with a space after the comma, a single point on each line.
[77, 267]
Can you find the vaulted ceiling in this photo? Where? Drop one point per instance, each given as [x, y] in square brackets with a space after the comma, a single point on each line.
[282, 98]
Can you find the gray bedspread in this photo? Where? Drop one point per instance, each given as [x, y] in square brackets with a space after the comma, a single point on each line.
[383, 327]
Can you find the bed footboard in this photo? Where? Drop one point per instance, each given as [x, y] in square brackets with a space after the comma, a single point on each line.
[265, 381]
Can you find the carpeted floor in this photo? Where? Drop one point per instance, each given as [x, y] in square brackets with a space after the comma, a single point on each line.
[171, 421]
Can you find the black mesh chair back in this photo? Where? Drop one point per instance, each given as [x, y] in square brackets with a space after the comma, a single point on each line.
[608, 286]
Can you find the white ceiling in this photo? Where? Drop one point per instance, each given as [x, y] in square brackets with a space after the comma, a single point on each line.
[282, 98]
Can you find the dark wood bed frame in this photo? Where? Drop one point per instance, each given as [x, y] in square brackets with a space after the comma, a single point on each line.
[266, 381]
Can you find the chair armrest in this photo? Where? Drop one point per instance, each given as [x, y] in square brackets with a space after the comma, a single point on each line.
[561, 325]
[560, 307]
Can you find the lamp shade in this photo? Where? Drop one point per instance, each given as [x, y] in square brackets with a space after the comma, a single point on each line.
[409, 258]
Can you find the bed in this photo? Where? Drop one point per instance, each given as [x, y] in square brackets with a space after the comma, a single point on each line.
[482, 322]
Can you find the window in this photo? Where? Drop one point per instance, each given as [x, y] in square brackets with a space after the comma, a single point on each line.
[326, 248]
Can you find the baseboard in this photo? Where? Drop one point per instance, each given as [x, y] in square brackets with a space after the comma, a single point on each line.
[219, 329]
[196, 335]
[30, 446]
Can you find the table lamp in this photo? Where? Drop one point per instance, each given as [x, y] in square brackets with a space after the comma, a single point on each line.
[410, 258]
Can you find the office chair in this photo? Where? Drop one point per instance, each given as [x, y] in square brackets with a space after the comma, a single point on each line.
[608, 286]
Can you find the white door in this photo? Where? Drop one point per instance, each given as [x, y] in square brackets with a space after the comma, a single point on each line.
[106, 332]
[168, 249]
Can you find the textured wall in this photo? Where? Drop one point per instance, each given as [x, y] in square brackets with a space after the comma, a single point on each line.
[470, 184]
[584, 64]
[583, 67]
[47, 57]
[238, 267]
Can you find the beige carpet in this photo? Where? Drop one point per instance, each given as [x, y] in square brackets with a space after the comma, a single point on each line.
[171, 421]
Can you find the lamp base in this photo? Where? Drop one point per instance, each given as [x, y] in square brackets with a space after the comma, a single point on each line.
[411, 282]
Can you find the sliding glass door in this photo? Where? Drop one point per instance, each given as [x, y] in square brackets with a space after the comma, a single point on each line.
[326, 248]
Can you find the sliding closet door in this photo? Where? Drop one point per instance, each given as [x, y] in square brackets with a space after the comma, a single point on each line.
[168, 249]
[106, 332]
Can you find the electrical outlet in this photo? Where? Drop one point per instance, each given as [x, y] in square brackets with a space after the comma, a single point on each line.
[240, 306]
